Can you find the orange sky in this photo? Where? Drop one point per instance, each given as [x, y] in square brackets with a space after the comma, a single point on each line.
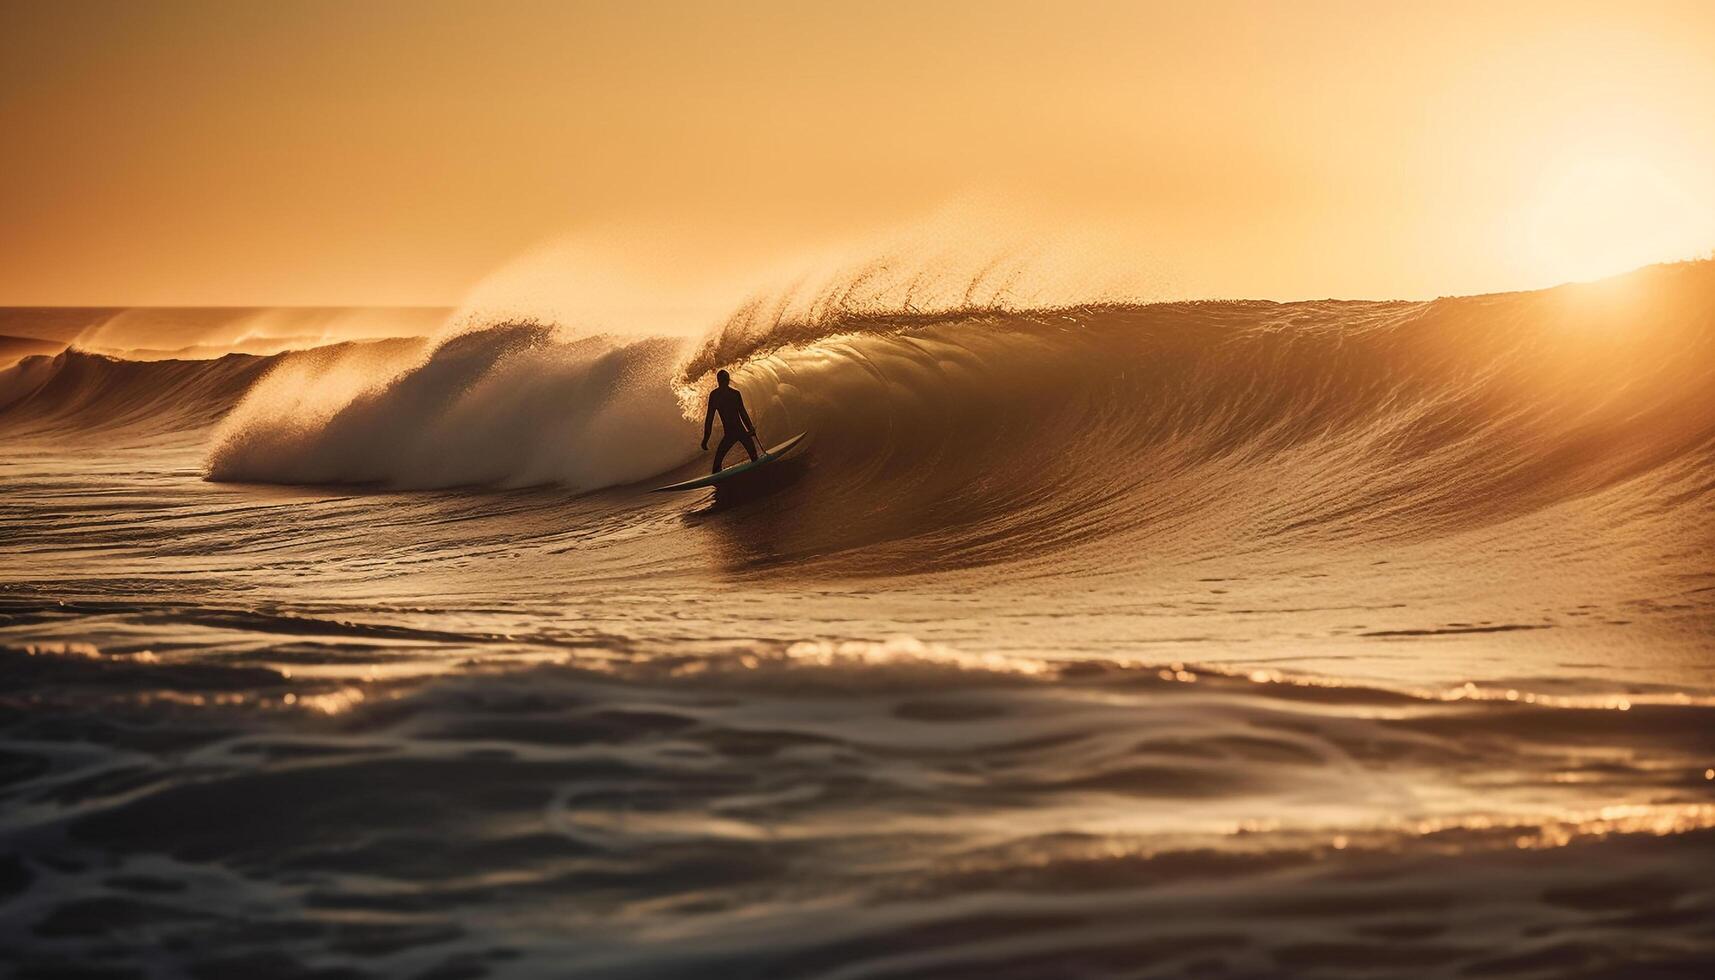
[363, 152]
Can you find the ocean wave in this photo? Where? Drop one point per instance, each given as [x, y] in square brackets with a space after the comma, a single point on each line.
[1245, 423]
[77, 391]
[987, 430]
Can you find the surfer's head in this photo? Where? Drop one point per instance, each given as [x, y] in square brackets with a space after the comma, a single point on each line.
[722, 378]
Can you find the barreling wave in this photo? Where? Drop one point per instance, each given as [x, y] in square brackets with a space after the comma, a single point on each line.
[1229, 421]
[996, 432]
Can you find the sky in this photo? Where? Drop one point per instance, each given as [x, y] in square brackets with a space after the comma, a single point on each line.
[311, 153]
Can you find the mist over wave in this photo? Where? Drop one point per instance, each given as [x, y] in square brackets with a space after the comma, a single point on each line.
[510, 405]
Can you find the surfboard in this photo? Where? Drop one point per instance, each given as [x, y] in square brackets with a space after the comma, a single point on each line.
[732, 471]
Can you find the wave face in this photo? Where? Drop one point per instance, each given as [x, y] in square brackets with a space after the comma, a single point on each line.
[76, 392]
[1269, 421]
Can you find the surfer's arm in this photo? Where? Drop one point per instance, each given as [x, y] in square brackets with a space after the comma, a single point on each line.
[744, 413]
[708, 422]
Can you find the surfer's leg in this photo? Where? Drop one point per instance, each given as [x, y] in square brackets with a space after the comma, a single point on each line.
[749, 445]
[720, 453]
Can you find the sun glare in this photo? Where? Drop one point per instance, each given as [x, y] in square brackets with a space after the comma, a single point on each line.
[1603, 215]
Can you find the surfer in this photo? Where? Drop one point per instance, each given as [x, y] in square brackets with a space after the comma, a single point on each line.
[736, 425]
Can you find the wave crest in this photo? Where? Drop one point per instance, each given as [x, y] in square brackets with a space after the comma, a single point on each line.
[510, 405]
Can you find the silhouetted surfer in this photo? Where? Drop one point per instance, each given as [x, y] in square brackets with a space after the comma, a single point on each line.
[736, 425]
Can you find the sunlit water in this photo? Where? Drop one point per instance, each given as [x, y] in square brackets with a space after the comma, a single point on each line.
[1215, 639]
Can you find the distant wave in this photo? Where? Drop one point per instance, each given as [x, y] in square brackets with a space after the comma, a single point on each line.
[163, 332]
[76, 391]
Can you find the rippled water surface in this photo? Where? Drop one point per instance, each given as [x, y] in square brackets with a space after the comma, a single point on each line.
[1199, 639]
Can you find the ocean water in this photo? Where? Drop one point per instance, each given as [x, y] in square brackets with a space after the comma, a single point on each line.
[1193, 639]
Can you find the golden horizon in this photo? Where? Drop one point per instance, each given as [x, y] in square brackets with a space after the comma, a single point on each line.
[318, 154]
